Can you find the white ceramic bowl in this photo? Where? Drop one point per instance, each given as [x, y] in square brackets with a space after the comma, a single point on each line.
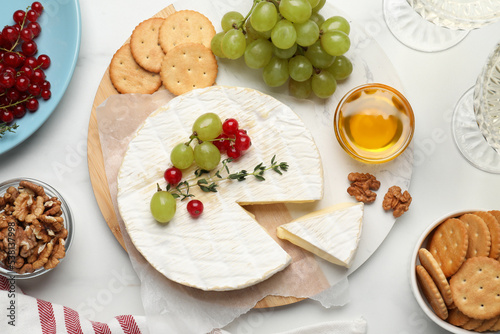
[66, 214]
[417, 292]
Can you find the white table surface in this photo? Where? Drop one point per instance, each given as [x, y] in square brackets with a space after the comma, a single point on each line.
[97, 279]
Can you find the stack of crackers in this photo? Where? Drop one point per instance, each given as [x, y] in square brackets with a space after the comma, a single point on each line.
[459, 271]
[173, 51]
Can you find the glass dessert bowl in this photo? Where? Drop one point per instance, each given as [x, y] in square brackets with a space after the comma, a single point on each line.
[374, 123]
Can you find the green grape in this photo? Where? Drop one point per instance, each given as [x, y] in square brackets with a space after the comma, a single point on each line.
[336, 23]
[300, 68]
[233, 44]
[264, 16]
[335, 43]
[323, 84]
[230, 19]
[297, 11]
[317, 18]
[275, 73]
[182, 156]
[258, 53]
[215, 44]
[313, 3]
[341, 68]
[285, 53]
[208, 126]
[254, 34]
[318, 57]
[206, 155]
[320, 5]
[300, 89]
[283, 35]
[163, 206]
[307, 33]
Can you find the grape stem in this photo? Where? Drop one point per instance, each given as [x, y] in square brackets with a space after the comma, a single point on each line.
[210, 183]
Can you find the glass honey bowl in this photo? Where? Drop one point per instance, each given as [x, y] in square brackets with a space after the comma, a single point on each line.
[374, 123]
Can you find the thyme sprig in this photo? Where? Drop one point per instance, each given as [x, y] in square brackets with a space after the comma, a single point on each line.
[4, 128]
[210, 182]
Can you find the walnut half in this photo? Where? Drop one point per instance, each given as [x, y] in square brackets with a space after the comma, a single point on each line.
[397, 201]
[362, 185]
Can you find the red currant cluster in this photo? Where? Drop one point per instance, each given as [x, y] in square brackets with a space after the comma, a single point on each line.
[22, 76]
[233, 140]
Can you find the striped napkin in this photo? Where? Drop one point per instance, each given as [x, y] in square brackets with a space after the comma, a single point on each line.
[23, 314]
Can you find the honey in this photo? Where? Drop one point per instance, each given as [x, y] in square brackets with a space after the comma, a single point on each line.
[374, 123]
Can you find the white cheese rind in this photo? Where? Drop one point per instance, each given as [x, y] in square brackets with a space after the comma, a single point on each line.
[332, 234]
[225, 248]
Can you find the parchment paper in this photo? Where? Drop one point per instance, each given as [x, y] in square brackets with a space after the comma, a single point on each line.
[184, 309]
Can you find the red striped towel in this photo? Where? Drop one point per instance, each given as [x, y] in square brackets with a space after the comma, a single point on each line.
[23, 314]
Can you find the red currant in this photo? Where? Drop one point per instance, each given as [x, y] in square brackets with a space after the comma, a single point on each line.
[32, 105]
[31, 62]
[22, 83]
[13, 94]
[29, 48]
[19, 16]
[6, 116]
[11, 59]
[172, 175]
[32, 15]
[233, 152]
[46, 94]
[26, 34]
[195, 208]
[242, 142]
[220, 143]
[26, 70]
[38, 76]
[19, 111]
[37, 6]
[34, 89]
[43, 61]
[10, 34]
[241, 132]
[34, 27]
[230, 126]
[7, 79]
[46, 85]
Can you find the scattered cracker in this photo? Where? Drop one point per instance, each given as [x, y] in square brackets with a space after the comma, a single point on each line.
[188, 66]
[476, 288]
[449, 244]
[145, 44]
[479, 235]
[457, 318]
[431, 292]
[432, 267]
[185, 26]
[495, 234]
[128, 77]
[496, 326]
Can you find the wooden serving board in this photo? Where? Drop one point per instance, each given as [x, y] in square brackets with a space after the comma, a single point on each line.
[101, 190]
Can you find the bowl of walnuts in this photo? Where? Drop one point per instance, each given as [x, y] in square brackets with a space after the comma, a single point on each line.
[455, 271]
[36, 228]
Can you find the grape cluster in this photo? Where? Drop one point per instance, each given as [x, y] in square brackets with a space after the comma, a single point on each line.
[22, 74]
[212, 138]
[290, 41]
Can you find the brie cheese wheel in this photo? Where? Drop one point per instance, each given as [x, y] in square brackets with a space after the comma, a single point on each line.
[224, 248]
[332, 233]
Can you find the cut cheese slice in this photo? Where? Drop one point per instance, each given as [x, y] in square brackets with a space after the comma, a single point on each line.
[332, 233]
[225, 248]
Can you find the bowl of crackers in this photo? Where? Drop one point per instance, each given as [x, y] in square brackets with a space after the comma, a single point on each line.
[36, 228]
[455, 271]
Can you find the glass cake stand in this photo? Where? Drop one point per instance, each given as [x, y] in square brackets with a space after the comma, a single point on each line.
[436, 25]
[476, 118]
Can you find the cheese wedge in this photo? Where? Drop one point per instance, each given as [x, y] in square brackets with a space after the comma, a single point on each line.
[332, 233]
[225, 248]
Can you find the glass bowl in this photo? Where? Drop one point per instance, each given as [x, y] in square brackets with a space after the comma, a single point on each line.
[414, 261]
[374, 123]
[68, 224]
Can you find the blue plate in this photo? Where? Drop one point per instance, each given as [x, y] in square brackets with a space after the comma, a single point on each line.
[60, 40]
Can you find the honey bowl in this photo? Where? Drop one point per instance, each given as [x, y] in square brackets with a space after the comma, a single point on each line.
[374, 123]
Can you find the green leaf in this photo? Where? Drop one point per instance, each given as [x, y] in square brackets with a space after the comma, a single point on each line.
[273, 160]
[202, 181]
[174, 195]
[260, 178]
